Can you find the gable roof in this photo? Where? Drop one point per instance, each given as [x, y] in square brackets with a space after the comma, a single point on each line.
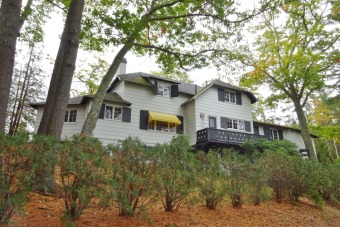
[222, 84]
[145, 79]
[79, 100]
[280, 126]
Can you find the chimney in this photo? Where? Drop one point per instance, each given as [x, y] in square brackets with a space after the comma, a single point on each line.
[122, 67]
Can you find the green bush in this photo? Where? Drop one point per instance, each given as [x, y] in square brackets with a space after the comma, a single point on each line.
[44, 159]
[16, 175]
[258, 181]
[82, 164]
[278, 172]
[261, 145]
[132, 176]
[175, 173]
[211, 176]
[235, 166]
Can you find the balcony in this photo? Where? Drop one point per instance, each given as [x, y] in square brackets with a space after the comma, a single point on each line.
[221, 138]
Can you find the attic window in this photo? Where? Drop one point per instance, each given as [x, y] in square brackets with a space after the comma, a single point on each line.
[163, 90]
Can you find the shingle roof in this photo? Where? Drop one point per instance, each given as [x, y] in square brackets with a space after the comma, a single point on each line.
[222, 84]
[113, 97]
[144, 79]
[279, 126]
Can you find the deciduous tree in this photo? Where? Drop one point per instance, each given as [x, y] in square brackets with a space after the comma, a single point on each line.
[294, 54]
[179, 33]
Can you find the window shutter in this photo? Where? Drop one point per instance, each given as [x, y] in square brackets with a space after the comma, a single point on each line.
[256, 130]
[221, 95]
[126, 114]
[280, 134]
[239, 98]
[174, 90]
[224, 123]
[143, 120]
[180, 128]
[155, 87]
[266, 132]
[102, 112]
[247, 126]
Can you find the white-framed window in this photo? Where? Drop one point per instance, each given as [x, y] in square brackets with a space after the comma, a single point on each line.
[235, 124]
[112, 112]
[230, 97]
[274, 134]
[162, 126]
[163, 90]
[70, 116]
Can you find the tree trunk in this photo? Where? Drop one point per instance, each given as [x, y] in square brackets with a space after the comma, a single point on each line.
[9, 30]
[59, 91]
[304, 128]
[92, 116]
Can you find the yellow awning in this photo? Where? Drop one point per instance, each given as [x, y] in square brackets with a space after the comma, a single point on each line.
[156, 116]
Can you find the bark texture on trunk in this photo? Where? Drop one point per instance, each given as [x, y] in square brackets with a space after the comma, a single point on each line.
[9, 31]
[304, 128]
[59, 91]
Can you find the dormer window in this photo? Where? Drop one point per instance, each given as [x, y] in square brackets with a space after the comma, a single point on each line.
[163, 90]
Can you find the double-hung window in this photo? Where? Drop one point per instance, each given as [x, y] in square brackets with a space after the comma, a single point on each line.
[235, 124]
[112, 112]
[70, 116]
[163, 90]
[230, 97]
[274, 134]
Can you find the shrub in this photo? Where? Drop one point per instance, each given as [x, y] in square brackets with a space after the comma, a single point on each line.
[278, 172]
[211, 176]
[15, 175]
[132, 176]
[258, 182]
[261, 145]
[44, 158]
[82, 166]
[175, 173]
[235, 166]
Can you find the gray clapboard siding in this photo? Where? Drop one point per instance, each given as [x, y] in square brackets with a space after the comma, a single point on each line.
[208, 104]
[119, 88]
[190, 123]
[142, 98]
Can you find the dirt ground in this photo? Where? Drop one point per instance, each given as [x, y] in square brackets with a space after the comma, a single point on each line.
[46, 211]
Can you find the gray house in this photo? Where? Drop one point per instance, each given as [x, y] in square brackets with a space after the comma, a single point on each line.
[155, 109]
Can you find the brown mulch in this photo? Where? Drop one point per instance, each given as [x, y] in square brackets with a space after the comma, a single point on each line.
[47, 210]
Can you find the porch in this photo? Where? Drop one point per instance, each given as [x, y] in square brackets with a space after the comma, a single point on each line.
[208, 138]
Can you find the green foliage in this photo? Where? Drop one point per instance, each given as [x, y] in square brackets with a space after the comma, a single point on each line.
[278, 173]
[258, 181]
[82, 164]
[211, 178]
[132, 176]
[175, 172]
[235, 166]
[16, 175]
[44, 161]
[261, 145]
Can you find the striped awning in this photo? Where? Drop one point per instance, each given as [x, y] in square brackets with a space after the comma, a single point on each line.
[156, 116]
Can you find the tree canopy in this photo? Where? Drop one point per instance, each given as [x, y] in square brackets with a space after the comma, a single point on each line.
[294, 54]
